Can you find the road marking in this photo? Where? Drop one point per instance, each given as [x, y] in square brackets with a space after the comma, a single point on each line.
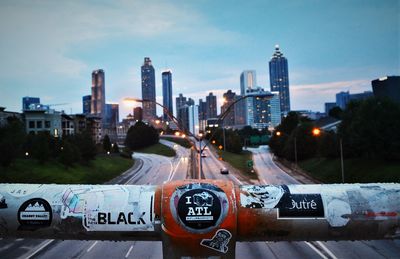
[171, 175]
[129, 251]
[316, 250]
[91, 247]
[40, 249]
[329, 252]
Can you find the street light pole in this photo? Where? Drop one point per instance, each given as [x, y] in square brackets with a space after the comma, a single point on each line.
[295, 150]
[223, 133]
[341, 158]
[200, 160]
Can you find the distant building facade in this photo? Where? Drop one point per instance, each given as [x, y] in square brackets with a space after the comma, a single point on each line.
[240, 111]
[167, 92]
[5, 116]
[202, 114]
[98, 97]
[148, 90]
[279, 79]
[28, 101]
[86, 104]
[211, 101]
[329, 106]
[39, 120]
[342, 99]
[138, 113]
[229, 98]
[248, 80]
[193, 119]
[262, 109]
[387, 87]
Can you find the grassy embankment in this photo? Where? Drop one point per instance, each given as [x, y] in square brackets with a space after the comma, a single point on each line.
[239, 161]
[98, 171]
[180, 141]
[355, 170]
[158, 149]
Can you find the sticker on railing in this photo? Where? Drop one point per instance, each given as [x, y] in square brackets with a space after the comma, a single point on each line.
[199, 207]
[34, 213]
[219, 241]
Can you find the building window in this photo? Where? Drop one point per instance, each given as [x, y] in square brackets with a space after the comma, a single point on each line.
[47, 124]
[56, 133]
[31, 124]
[39, 124]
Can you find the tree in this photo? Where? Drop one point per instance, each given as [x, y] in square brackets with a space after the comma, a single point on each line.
[115, 148]
[86, 145]
[370, 129]
[106, 143]
[141, 135]
[306, 143]
[69, 154]
[277, 142]
[40, 147]
[12, 136]
[336, 112]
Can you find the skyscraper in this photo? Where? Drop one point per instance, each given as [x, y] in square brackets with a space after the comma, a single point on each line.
[28, 101]
[138, 113]
[248, 80]
[229, 98]
[211, 101]
[279, 79]
[342, 99]
[180, 102]
[148, 90]
[86, 103]
[167, 92]
[98, 99]
[112, 115]
[202, 114]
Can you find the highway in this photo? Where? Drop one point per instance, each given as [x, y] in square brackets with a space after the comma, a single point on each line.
[149, 169]
[154, 169]
[270, 173]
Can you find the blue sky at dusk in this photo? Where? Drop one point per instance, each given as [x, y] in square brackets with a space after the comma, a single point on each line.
[48, 49]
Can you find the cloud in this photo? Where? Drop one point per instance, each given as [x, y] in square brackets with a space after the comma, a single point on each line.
[313, 96]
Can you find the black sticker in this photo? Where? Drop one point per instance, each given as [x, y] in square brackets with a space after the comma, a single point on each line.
[301, 206]
[35, 213]
[219, 242]
[199, 208]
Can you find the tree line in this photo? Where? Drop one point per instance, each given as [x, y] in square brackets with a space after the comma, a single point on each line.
[368, 129]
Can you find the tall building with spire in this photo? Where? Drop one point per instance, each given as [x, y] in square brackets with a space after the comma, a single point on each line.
[248, 80]
[148, 90]
[279, 79]
[167, 92]
[98, 98]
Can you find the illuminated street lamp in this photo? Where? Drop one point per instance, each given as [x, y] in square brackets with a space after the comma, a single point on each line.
[278, 133]
[213, 142]
[316, 132]
[220, 147]
[177, 133]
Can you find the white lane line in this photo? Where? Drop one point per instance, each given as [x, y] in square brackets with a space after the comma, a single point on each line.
[40, 249]
[91, 247]
[329, 252]
[316, 250]
[172, 174]
[240, 182]
[129, 251]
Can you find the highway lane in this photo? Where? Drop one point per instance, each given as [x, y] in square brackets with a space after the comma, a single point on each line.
[152, 169]
[211, 170]
[270, 173]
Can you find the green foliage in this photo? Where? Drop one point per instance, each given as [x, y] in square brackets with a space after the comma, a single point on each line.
[141, 135]
[371, 129]
[69, 154]
[41, 147]
[232, 140]
[86, 146]
[158, 149]
[180, 141]
[115, 148]
[106, 143]
[336, 112]
[306, 143]
[11, 141]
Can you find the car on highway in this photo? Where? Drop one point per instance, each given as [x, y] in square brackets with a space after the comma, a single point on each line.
[203, 154]
[224, 170]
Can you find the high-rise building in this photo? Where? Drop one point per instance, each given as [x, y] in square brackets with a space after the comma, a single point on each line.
[98, 99]
[211, 101]
[248, 80]
[240, 111]
[342, 99]
[86, 103]
[28, 101]
[112, 115]
[190, 101]
[180, 102]
[229, 99]
[387, 87]
[202, 114]
[193, 118]
[279, 79]
[167, 92]
[148, 90]
[138, 113]
[361, 96]
[262, 108]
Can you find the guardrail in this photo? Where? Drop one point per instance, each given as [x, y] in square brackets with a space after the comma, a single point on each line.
[200, 217]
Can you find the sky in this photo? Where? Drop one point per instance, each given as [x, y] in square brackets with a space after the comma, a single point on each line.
[48, 49]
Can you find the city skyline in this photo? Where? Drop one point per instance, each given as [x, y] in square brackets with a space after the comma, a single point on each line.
[207, 49]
